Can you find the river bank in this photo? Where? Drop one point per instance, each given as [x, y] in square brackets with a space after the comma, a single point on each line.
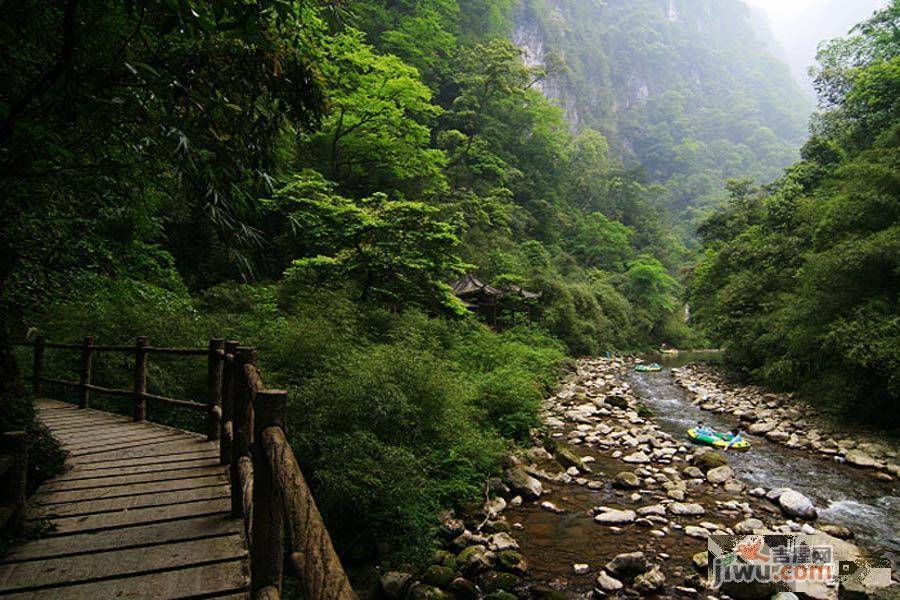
[782, 419]
[609, 501]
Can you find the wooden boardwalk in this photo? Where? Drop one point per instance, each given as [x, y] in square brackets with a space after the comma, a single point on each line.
[142, 512]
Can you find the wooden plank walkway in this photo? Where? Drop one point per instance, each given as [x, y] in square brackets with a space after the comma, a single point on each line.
[142, 512]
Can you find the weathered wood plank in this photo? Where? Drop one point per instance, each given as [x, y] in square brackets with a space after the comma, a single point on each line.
[101, 446]
[129, 502]
[49, 574]
[133, 537]
[148, 470]
[137, 517]
[156, 450]
[103, 433]
[93, 488]
[142, 461]
[207, 580]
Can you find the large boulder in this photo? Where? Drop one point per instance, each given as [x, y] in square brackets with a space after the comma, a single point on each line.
[627, 564]
[567, 458]
[795, 504]
[438, 576]
[719, 475]
[748, 526]
[523, 483]
[476, 559]
[463, 589]
[649, 582]
[626, 480]
[512, 561]
[709, 459]
[394, 584]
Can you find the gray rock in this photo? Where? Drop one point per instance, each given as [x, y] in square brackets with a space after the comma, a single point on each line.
[858, 458]
[512, 561]
[795, 504]
[626, 564]
[686, 509]
[734, 486]
[394, 584]
[475, 559]
[503, 541]
[523, 483]
[748, 526]
[636, 457]
[652, 509]
[616, 517]
[719, 475]
[697, 532]
[608, 584]
[650, 581]
[626, 480]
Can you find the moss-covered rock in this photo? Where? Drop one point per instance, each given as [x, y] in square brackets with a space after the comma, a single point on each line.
[438, 576]
[495, 581]
[513, 562]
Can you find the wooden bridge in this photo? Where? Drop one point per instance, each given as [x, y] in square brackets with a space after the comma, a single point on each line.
[149, 511]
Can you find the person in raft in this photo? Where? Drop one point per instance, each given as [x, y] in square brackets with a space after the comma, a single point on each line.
[702, 429]
[735, 438]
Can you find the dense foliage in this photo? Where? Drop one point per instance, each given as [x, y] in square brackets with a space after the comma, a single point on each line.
[800, 279]
[309, 177]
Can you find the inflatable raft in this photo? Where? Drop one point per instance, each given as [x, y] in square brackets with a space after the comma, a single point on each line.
[717, 440]
[648, 368]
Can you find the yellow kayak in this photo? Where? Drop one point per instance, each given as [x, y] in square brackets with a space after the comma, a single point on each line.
[718, 440]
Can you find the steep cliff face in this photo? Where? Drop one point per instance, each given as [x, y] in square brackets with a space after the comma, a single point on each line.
[688, 90]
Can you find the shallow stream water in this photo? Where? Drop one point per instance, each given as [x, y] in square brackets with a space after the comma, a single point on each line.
[845, 495]
[554, 542]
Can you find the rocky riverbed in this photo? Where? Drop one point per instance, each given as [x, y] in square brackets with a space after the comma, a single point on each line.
[608, 503]
[781, 419]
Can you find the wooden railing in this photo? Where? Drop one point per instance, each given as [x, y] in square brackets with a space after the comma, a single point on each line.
[268, 489]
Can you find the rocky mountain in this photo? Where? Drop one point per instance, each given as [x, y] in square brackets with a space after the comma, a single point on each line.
[690, 91]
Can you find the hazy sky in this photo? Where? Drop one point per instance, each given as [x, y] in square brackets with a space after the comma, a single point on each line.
[799, 26]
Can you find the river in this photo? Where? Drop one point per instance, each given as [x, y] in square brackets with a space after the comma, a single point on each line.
[554, 542]
[845, 495]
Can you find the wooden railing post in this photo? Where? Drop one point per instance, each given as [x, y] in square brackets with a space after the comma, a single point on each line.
[242, 431]
[16, 443]
[84, 399]
[38, 368]
[140, 378]
[214, 388]
[228, 371]
[267, 549]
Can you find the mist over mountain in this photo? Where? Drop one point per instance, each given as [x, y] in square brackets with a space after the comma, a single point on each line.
[800, 27]
[691, 92]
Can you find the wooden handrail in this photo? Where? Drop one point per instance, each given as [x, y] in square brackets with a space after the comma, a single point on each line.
[268, 489]
[141, 350]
